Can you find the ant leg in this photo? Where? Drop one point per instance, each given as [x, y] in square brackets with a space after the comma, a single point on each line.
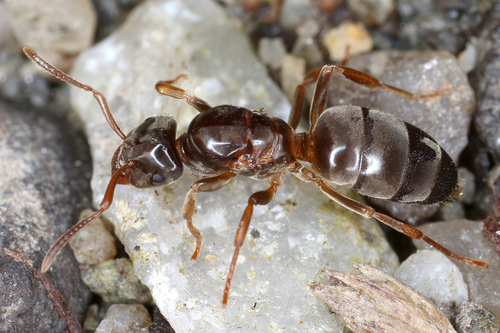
[105, 204]
[189, 208]
[306, 174]
[300, 91]
[371, 82]
[166, 88]
[276, 6]
[321, 94]
[347, 55]
[258, 198]
[298, 98]
[180, 76]
[320, 97]
[297, 105]
[99, 97]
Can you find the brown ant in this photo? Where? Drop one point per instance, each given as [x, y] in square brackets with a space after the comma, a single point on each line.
[370, 151]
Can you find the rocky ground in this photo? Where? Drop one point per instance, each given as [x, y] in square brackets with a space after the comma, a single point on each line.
[136, 275]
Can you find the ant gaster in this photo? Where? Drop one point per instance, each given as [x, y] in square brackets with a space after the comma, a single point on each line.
[370, 151]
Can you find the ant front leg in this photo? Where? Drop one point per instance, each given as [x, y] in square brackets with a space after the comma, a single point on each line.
[189, 208]
[166, 88]
[258, 198]
[308, 175]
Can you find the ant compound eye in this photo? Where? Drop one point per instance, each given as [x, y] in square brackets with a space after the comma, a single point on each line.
[157, 179]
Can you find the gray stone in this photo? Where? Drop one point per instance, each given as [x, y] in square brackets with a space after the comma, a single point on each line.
[44, 181]
[451, 210]
[57, 29]
[293, 12]
[292, 74]
[433, 275]
[116, 282]
[428, 24]
[467, 185]
[291, 239]
[10, 61]
[110, 15]
[486, 82]
[471, 317]
[372, 12]
[306, 46]
[94, 243]
[465, 238]
[125, 318]
[271, 52]
[91, 319]
[468, 57]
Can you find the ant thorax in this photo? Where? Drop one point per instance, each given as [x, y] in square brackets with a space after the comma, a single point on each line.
[228, 138]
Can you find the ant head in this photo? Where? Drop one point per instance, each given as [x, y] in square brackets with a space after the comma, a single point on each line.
[152, 146]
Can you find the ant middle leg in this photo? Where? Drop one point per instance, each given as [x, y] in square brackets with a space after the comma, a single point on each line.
[167, 88]
[306, 174]
[258, 198]
[189, 207]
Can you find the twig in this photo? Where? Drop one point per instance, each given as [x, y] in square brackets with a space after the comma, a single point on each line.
[57, 298]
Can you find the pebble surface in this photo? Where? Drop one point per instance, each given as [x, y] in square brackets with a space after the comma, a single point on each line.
[43, 184]
[465, 238]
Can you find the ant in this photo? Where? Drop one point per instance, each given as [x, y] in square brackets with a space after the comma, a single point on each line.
[372, 152]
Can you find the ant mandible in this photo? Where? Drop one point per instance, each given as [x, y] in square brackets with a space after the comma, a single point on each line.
[372, 152]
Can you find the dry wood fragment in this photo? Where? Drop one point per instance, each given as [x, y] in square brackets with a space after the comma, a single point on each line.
[374, 301]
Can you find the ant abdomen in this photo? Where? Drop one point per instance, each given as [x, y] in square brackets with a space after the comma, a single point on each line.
[381, 156]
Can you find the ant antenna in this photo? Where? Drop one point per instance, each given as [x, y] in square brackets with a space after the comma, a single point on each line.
[101, 100]
[105, 204]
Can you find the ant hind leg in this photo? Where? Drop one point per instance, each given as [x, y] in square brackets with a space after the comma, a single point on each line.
[307, 175]
[320, 99]
[373, 83]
